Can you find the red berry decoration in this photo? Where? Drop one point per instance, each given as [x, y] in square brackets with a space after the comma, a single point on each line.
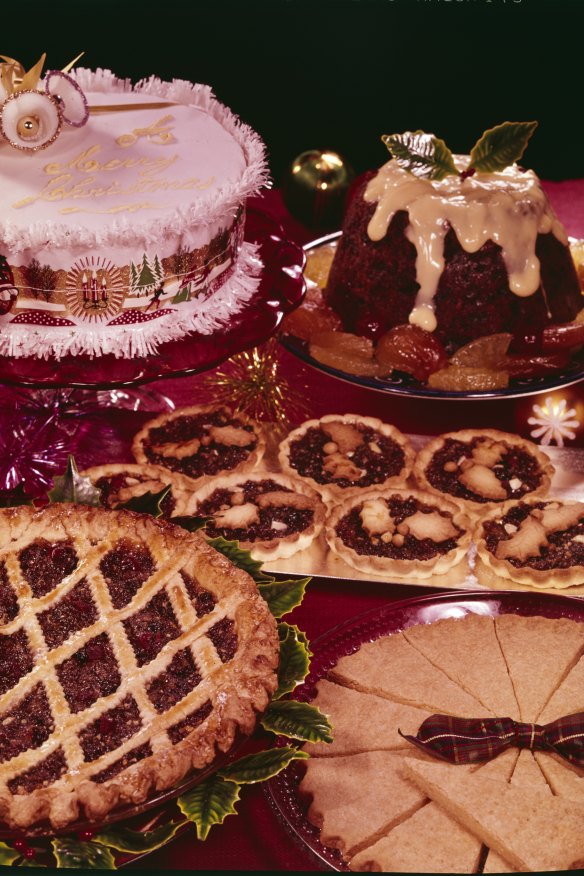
[8, 291]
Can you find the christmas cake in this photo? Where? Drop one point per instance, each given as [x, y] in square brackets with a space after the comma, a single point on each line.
[131, 653]
[459, 246]
[121, 212]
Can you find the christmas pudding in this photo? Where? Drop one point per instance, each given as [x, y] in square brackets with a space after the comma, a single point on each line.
[121, 212]
[457, 246]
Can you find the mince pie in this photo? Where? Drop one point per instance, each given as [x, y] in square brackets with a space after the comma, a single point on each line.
[340, 455]
[131, 652]
[536, 542]
[119, 483]
[269, 514]
[399, 532]
[198, 442]
[482, 468]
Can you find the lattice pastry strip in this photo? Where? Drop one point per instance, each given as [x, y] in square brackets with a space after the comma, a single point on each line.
[154, 684]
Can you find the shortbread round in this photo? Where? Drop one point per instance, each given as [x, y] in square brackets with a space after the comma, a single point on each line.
[269, 514]
[199, 442]
[535, 542]
[399, 532]
[482, 468]
[341, 455]
[132, 652]
[121, 482]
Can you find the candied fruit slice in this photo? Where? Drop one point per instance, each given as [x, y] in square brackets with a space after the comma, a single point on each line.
[202, 599]
[487, 352]
[535, 366]
[125, 568]
[44, 773]
[344, 342]
[110, 729]
[27, 725]
[92, 672]
[72, 613]
[44, 564]
[123, 763]
[179, 678]
[151, 628]
[178, 731]
[8, 600]
[306, 321]
[318, 264]
[458, 379]
[15, 659]
[410, 349]
[224, 637]
[357, 365]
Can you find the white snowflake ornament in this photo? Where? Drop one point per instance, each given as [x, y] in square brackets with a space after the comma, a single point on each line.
[554, 422]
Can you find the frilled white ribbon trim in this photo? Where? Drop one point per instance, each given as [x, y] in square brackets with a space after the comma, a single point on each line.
[122, 231]
[141, 339]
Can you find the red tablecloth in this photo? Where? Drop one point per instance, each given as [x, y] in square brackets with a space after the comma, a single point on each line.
[256, 839]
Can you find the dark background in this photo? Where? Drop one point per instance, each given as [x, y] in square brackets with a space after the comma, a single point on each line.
[336, 74]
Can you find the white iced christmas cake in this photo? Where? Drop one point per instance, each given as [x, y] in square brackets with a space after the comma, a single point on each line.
[121, 212]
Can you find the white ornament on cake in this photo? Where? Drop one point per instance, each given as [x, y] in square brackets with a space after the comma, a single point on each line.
[555, 421]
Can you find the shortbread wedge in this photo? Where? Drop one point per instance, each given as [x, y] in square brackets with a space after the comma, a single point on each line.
[469, 653]
[393, 668]
[539, 653]
[564, 780]
[362, 722]
[568, 698]
[529, 828]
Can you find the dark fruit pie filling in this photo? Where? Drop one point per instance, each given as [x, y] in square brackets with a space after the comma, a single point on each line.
[376, 459]
[110, 487]
[271, 520]
[401, 545]
[517, 471]
[561, 550]
[209, 454]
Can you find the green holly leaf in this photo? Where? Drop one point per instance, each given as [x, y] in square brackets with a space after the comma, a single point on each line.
[421, 154]
[147, 503]
[240, 558]
[283, 596]
[191, 524]
[295, 657]
[297, 720]
[259, 767]
[14, 498]
[89, 856]
[501, 146]
[72, 487]
[8, 855]
[209, 803]
[136, 842]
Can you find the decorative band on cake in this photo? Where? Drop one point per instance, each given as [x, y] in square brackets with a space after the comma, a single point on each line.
[98, 306]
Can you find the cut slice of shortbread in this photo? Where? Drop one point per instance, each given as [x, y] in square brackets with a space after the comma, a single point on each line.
[357, 797]
[568, 698]
[447, 846]
[527, 827]
[539, 653]
[526, 774]
[362, 722]
[468, 651]
[393, 668]
[564, 780]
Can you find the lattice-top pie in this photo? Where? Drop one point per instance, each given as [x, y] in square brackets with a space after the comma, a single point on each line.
[130, 653]
[269, 514]
[483, 468]
[340, 455]
[200, 441]
[119, 483]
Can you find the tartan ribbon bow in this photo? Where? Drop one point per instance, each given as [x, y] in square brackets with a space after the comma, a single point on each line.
[463, 740]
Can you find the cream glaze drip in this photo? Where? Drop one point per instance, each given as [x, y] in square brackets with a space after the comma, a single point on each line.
[508, 207]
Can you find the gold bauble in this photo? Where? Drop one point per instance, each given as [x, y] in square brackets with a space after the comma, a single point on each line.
[315, 187]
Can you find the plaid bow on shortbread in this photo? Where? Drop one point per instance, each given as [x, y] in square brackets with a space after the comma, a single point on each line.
[462, 740]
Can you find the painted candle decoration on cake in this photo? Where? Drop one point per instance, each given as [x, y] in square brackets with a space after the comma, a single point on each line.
[127, 232]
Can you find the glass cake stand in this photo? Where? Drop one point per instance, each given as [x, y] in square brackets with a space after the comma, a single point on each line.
[50, 408]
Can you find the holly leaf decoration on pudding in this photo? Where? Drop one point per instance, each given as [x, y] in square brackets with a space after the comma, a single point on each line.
[423, 155]
[501, 146]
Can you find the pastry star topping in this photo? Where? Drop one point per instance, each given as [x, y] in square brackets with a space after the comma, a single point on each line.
[482, 480]
[432, 525]
[376, 518]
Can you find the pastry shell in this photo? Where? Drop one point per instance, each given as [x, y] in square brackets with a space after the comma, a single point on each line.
[148, 478]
